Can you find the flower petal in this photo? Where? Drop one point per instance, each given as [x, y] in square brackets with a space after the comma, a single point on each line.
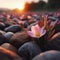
[30, 33]
[33, 29]
[37, 28]
[42, 31]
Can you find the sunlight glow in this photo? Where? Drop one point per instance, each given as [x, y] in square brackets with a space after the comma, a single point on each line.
[12, 4]
[21, 6]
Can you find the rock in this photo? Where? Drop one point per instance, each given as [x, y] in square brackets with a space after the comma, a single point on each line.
[3, 39]
[8, 55]
[26, 24]
[57, 28]
[7, 24]
[2, 32]
[19, 38]
[48, 55]
[29, 50]
[2, 26]
[10, 47]
[13, 28]
[55, 42]
[8, 35]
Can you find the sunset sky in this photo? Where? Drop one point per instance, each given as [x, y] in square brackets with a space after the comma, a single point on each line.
[11, 4]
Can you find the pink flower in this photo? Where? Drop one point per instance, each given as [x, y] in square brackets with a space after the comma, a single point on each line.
[36, 31]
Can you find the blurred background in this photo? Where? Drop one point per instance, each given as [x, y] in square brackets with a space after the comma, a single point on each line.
[29, 5]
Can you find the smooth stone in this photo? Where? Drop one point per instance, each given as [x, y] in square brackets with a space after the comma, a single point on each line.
[2, 32]
[48, 55]
[29, 50]
[8, 55]
[55, 42]
[10, 47]
[13, 28]
[2, 26]
[19, 38]
[8, 35]
[3, 39]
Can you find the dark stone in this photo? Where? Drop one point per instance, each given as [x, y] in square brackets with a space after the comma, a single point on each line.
[26, 24]
[13, 28]
[48, 55]
[3, 39]
[29, 50]
[42, 43]
[2, 26]
[55, 42]
[7, 24]
[57, 28]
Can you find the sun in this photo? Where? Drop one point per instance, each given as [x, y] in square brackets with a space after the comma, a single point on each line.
[21, 6]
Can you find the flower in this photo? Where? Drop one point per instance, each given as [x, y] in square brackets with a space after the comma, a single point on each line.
[43, 27]
[36, 31]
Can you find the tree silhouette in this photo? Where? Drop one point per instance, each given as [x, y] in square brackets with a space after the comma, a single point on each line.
[54, 4]
[35, 6]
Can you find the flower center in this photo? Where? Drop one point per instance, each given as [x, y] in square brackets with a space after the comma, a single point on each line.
[37, 34]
